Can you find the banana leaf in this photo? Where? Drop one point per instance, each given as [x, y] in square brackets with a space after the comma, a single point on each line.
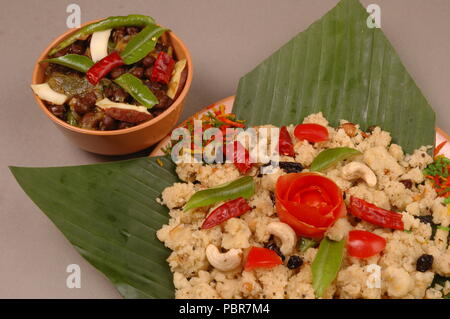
[110, 215]
[346, 70]
[109, 211]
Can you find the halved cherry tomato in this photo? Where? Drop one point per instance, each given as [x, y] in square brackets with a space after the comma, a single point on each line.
[364, 244]
[259, 257]
[311, 132]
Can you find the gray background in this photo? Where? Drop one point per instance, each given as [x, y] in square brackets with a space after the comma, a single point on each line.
[226, 39]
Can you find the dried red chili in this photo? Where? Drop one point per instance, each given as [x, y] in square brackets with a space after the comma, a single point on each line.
[230, 209]
[103, 67]
[285, 145]
[374, 214]
[241, 156]
[162, 68]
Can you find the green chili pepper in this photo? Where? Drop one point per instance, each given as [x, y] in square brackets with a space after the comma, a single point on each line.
[138, 90]
[135, 20]
[331, 156]
[143, 43]
[326, 264]
[74, 61]
[306, 243]
[242, 187]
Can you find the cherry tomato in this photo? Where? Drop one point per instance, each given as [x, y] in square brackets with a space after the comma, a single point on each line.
[364, 244]
[259, 257]
[311, 132]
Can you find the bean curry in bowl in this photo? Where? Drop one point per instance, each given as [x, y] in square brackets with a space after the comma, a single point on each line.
[112, 74]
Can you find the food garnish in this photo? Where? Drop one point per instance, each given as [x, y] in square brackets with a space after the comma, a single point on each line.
[310, 132]
[259, 257]
[142, 44]
[331, 156]
[326, 264]
[309, 203]
[364, 244]
[137, 90]
[74, 61]
[438, 173]
[99, 44]
[112, 59]
[100, 69]
[286, 147]
[45, 92]
[230, 209]
[241, 187]
[163, 67]
[108, 23]
[375, 215]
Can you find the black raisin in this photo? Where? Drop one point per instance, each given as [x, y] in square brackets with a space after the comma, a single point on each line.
[424, 263]
[294, 262]
[275, 248]
[407, 182]
[291, 167]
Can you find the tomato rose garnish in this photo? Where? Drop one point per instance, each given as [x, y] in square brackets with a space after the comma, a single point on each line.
[364, 244]
[310, 203]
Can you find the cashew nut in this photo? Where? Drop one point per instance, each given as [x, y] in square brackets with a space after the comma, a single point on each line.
[355, 170]
[285, 233]
[223, 261]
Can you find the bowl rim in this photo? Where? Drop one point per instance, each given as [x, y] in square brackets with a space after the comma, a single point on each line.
[138, 127]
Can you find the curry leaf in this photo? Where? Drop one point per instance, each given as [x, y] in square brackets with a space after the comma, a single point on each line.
[331, 156]
[242, 187]
[326, 264]
[142, 44]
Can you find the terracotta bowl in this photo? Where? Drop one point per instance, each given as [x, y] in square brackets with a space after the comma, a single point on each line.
[124, 141]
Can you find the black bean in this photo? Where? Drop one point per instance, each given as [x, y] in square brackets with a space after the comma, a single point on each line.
[275, 248]
[148, 72]
[108, 123]
[137, 72]
[57, 110]
[118, 34]
[291, 167]
[78, 48]
[424, 263]
[91, 120]
[123, 125]
[116, 94]
[294, 262]
[161, 47]
[116, 72]
[407, 182]
[148, 61]
[164, 102]
[133, 30]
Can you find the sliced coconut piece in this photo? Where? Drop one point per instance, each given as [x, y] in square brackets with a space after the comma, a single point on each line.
[46, 93]
[124, 112]
[99, 44]
[175, 80]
